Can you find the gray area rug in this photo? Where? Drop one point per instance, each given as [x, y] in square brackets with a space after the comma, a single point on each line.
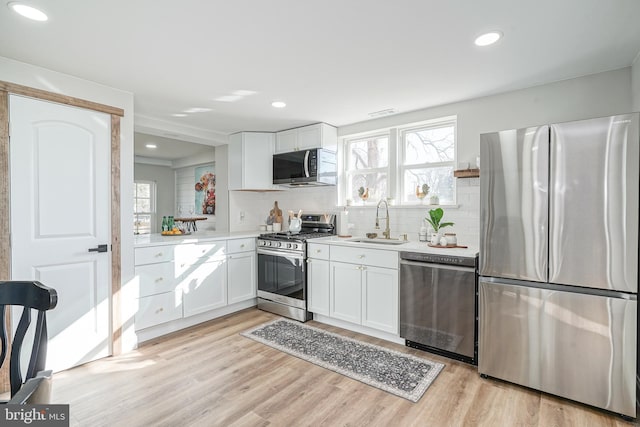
[401, 374]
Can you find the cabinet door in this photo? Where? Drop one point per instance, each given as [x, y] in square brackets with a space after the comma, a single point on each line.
[380, 298]
[156, 278]
[204, 285]
[241, 283]
[309, 137]
[318, 286]
[156, 309]
[346, 292]
[286, 141]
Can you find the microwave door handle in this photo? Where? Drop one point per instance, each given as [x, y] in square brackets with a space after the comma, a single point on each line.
[306, 164]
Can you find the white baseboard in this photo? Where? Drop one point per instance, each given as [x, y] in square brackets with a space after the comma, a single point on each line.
[176, 325]
[358, 328]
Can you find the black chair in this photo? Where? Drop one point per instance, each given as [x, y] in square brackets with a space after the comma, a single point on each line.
[34, 387]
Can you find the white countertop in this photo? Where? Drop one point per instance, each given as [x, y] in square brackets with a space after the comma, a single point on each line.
[157, 239]
[410, 246]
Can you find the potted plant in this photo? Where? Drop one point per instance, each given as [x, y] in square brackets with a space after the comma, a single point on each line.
[435, 216]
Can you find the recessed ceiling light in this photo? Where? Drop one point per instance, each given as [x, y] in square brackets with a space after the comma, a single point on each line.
[179, 115]
[242, 92]
[151, 146]
[489, 38]
[28, 11]
[278, 104]
[228, 98]
[197, 110]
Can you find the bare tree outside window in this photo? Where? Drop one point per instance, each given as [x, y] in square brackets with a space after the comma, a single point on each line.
[368, 168]
[429, 156]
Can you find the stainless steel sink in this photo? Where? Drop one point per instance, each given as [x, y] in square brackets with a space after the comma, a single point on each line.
[377, 241]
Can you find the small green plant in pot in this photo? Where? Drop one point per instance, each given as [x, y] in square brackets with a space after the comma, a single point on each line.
[435, 218]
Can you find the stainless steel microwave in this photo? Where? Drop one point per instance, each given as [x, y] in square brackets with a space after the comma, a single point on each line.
[305, 167]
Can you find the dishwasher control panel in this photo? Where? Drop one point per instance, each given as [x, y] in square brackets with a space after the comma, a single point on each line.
[438, 259]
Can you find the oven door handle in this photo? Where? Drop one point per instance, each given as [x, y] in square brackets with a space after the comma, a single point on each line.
[280, 254]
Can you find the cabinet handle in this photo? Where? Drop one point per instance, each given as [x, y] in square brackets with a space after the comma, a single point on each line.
[361, 256]
[363, 268]
[159, 310]
[159, 279]
[159, 254]
[308, 260]
[242, 245]
[318, 251]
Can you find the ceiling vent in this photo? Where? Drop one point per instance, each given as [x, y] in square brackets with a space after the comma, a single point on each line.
[382, 113]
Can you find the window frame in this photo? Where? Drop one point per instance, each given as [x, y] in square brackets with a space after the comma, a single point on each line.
[396, 167]
[403, 167]
[347, 161]
[152, 204]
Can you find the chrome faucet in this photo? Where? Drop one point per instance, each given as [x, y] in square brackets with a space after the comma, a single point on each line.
[387, 231]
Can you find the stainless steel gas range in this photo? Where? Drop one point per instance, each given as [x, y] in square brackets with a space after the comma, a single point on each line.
[282, 269]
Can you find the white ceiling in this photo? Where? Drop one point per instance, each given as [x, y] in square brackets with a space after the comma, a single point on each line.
[166, 148]
[333, 61]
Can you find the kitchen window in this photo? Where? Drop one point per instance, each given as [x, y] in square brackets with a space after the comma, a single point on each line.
[144, 206]
[367, 168]
[428, 157]
[399, 163]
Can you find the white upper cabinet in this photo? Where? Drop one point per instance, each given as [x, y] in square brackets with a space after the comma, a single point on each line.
[320, 135]
[250, 165]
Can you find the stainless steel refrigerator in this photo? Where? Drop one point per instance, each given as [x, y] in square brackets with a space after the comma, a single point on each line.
[559, 259]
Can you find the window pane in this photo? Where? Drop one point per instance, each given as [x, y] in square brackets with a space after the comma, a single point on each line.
[143, 190]
[142, 205]
[375, 182]
[369, 153]
[142, 224]
[440, 181]
[429, 145]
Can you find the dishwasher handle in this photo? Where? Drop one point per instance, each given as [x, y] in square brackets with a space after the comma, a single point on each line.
[441, 266]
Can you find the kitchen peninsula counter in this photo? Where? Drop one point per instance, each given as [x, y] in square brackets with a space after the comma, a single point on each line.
[156, 239]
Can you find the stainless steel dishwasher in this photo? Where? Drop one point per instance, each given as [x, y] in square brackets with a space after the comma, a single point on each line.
[438, 304]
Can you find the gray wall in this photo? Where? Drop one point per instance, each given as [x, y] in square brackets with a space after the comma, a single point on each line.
[164, 177]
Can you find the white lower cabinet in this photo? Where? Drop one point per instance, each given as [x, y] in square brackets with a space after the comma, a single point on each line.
[242, 264]
[318, 276]
[360, 293]
[156, 309]
[204, 286]
[346, 291]
[380, 298]
[183, 280]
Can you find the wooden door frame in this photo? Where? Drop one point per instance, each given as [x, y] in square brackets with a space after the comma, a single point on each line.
[6, 89]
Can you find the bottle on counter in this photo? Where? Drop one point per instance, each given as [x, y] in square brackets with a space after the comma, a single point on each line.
[170, 222]
[165, 224]
[422, 236]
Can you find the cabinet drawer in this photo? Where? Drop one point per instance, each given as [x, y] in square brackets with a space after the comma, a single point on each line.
[318, 251]
[153, 254]
[241, 245]
[379, 258]
[156, 309]
[188, 252]
[156, 278]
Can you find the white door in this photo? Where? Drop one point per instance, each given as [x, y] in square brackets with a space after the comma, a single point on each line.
[60, 208]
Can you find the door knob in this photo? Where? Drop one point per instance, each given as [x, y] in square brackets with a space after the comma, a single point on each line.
[99, 248]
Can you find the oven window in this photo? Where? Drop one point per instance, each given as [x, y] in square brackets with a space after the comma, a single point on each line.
[282, 275]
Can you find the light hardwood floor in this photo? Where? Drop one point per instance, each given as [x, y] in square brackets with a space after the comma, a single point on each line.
[209, 375]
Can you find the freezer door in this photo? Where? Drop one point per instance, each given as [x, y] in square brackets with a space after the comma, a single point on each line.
[514, 204]
[578, 346]
[593, 234]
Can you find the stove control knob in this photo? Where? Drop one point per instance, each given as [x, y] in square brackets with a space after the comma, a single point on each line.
[278, 244]
[289, 245]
